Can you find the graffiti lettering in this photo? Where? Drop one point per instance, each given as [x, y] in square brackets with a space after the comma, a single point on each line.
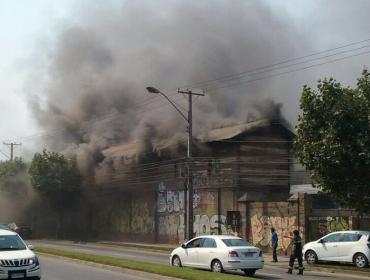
[261, 230]
[173, 225]
[170, 201]
[201, 181]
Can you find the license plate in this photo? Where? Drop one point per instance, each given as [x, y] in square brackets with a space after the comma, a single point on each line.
[248, 254]
[16, 275]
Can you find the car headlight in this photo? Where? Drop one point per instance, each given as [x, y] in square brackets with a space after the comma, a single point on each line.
[34, 261]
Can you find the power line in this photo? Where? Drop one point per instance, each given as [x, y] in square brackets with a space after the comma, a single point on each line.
[52, 133]
[276, 64]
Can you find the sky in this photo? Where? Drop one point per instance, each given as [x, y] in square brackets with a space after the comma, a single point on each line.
[72, 73]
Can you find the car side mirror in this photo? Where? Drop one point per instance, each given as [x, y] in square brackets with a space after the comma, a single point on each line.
[321, 241]
[183, 246]
[31, 247]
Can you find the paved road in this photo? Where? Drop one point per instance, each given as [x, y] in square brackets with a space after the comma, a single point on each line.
[271, 271]
[56, 269]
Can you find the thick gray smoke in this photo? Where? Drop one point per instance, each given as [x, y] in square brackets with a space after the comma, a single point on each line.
[103, 60]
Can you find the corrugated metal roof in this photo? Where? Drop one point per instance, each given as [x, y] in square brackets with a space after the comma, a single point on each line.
[126, 150]
[228, 132]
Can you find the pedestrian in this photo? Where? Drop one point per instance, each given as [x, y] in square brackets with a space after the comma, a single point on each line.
[296, 253]
[236, 233]
[274, 244]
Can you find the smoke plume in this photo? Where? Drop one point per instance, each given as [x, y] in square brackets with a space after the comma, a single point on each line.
[102, 61]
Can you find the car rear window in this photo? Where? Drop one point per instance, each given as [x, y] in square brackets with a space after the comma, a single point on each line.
[236, 242]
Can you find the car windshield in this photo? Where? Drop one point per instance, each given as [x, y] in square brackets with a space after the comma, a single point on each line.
[236, 242]
[11, 242]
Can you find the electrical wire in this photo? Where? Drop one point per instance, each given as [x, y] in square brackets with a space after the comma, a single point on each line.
[217, 88]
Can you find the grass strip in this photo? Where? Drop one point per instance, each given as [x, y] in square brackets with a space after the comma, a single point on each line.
[165, 270]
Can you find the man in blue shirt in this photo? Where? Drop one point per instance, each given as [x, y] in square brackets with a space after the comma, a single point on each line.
[274, 244]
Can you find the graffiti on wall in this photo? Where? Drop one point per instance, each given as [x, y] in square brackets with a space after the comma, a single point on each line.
[260, 230]
[141, 222]
[173, 225]
[320, 226]
[170, 201]
[171, 205]
[173, 201]
[134, 218]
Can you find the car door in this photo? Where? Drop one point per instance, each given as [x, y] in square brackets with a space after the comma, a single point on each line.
[346, 245]
[190, 257]
[206, 252]
[329, 248]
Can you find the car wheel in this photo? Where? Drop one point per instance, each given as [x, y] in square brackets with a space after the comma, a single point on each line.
[249, 272]
[311, 257]
[176, 261]
[360, 260]
[217, 266]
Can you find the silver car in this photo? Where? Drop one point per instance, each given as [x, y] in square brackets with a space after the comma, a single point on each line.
[218, 253]
[341, 246]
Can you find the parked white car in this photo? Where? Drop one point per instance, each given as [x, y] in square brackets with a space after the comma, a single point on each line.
[341, 246]
[218, 253]
[16, 258]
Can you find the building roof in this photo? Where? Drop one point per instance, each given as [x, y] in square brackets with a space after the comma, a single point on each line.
[216, 134]
[126, 150]
[228, 132]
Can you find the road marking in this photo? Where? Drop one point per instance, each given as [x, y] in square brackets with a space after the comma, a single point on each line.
[83, 250]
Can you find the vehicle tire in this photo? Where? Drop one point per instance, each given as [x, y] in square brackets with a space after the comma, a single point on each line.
[311, 257]
[216, 266]
[249, 272]
[176, 261]
[360, 260]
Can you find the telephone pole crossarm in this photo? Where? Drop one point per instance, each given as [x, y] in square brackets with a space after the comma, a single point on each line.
[12, 146]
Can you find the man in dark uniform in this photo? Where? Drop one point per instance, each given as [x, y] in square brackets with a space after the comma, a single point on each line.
[296, 253]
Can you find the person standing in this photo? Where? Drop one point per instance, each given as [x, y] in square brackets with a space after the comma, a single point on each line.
[274, 244]
[296, 254]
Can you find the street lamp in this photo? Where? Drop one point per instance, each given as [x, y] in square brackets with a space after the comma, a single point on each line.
[190, 192]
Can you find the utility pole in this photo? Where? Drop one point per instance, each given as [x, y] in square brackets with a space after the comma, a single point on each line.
[190, 190]
[12, 146]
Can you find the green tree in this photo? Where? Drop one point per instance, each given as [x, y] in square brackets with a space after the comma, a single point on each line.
[13, 176]
[58, 178]
[333, 140]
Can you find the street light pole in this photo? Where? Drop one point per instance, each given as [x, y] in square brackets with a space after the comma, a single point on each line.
[190, 189]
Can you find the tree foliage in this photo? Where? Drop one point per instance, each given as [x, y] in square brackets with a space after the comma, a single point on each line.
[55, 175]
[333, 140]
[12, 175]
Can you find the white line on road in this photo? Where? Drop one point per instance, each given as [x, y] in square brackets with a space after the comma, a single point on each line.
[83, 250]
